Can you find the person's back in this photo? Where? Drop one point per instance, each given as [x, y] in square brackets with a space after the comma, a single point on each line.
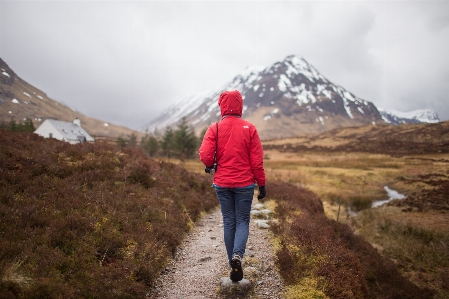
[239, 153]
[234, 145]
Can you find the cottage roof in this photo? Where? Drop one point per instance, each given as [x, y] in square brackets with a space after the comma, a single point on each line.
[69, 130]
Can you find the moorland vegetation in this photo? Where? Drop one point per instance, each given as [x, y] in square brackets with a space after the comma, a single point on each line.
[348, 170]
[102, 221]
[89, 220]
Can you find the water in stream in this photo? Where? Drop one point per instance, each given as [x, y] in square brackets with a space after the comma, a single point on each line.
[392, 194]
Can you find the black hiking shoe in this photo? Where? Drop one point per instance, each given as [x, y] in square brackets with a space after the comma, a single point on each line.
[236, 268]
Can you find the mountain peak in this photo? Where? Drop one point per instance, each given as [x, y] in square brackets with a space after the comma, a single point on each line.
[292, 58]
[285, 99]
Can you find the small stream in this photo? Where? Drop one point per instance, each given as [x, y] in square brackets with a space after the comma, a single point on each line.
[392, 194]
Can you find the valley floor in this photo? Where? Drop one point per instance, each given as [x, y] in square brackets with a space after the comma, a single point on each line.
[413, 232]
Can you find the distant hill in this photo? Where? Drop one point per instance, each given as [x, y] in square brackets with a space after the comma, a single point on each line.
[20, 100]
[286, 99]
[396, 140]
[412, 117]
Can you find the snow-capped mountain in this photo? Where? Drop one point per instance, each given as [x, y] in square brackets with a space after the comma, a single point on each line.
[413, 117]
[285, 99]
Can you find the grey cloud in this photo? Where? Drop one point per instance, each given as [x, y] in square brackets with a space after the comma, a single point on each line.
[125, 62]
[437, 14]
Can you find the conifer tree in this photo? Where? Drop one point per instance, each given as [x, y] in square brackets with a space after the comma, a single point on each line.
[12, 127]
[167, 142]
[121, 141]
[132, 140]
[185, 141]
[150, 144]
[28, 126]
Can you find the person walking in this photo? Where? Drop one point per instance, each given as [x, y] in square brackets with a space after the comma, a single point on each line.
[232, 151]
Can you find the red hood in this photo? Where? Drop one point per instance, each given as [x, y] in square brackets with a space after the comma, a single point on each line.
[231, 102]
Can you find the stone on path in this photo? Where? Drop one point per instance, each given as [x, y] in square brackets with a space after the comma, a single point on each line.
[227, 286]
[262, 223]
[256, 213]
[205, 259]
[258, 206]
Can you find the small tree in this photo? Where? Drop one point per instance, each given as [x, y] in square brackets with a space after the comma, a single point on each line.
[12, 126]
[149, 144]
[26, 126]
[132, 140]
[167, 142]
[185, 141]
[121, 141]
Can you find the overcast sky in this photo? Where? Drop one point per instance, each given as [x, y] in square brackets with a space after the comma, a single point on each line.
[125, 62]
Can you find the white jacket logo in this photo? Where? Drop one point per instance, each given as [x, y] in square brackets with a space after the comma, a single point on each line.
[245, 127]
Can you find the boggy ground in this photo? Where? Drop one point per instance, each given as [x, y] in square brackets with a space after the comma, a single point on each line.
[413, 231]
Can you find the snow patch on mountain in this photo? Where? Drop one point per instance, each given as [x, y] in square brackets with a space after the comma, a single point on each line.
[415, 116]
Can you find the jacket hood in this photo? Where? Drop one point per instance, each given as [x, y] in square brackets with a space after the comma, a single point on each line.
[231, 103]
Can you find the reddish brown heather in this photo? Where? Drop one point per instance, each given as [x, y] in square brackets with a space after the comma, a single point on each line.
[344, 264]
[89, 220]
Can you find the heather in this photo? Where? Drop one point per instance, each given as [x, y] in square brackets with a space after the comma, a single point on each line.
[321, 258]
[90, 220]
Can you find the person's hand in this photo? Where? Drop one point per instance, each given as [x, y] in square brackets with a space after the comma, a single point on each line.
[262, 192]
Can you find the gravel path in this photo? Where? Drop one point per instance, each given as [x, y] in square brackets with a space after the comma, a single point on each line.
[201, 261]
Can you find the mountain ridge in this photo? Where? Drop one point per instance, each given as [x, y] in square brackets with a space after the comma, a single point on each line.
[288, 98]
[416, 116]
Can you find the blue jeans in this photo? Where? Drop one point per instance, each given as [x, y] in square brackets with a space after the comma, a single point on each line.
[235, 206]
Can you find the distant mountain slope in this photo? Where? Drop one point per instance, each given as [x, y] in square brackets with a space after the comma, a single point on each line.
[20, 100]
[286, 99]
[385, 139]
[413, 117]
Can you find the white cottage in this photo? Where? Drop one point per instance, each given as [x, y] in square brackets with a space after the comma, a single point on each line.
[63, 130]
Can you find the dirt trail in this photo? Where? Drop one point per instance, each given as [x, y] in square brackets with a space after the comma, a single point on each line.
[201, 261]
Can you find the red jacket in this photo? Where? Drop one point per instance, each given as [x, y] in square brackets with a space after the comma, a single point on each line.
[240, 152]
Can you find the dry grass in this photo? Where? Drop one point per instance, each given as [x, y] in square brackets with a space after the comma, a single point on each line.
[346, 175]
[418, 242]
